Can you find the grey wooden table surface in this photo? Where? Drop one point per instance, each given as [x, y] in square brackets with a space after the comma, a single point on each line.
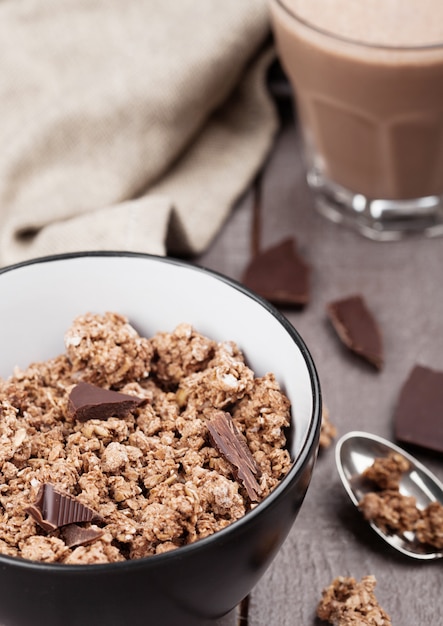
[402, 283]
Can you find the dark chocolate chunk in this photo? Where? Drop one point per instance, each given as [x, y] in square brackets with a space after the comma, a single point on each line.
[357, 328]
[87, 402]
[232, 445]
[74, 535]
[280, 275]
[54, 509]
[418, 417]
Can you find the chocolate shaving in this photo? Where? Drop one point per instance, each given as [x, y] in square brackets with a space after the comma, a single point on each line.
[357, 328]
[280, 275]
[74, 535]
[417, 418]
[232, 445]
[54, 509]
[87, 402]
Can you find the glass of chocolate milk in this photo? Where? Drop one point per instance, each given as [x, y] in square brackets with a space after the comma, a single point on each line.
[368, 82]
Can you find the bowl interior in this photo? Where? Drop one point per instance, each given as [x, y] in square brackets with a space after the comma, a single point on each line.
[40, 299]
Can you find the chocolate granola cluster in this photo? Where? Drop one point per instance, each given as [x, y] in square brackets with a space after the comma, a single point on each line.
[151, 474]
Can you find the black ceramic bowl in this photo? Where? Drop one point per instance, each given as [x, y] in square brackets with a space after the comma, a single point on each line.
[205, 580]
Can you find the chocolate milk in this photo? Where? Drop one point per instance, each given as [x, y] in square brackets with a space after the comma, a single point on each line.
[368, 78]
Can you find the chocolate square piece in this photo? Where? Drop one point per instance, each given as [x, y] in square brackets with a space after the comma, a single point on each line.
[418, 418]
[280, 275]
[75, 535]
[88, 401]
[357, 328]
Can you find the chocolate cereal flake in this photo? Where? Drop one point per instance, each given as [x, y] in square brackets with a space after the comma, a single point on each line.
[231, 444]
[87, 401]
[356, 327]
[54, 509]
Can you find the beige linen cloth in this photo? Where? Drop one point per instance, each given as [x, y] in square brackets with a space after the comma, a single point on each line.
[128, 124]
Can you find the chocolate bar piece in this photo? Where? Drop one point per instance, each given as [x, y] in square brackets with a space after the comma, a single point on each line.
[74, 535]
[418, 415]
[87, 402]
[356, 327]
[232, 445]
[280, 275]
[53, 509]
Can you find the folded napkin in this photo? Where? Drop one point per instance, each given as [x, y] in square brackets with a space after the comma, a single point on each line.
[130, 125]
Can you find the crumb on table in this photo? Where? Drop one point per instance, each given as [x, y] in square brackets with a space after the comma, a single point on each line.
[347, 602]
[328, 431]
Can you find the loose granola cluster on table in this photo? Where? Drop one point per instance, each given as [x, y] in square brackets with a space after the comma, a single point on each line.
[348, 602]
[394, 511]
[328, 431]
[153, 476]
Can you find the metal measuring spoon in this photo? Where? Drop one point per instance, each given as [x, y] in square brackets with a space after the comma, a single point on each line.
[356, 451]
